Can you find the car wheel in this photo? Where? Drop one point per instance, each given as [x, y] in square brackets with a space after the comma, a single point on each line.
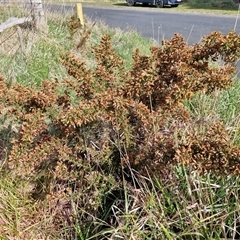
[131, 2]
[159, 3]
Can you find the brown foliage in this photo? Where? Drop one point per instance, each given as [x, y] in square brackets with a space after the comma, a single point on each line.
[78, 134]
[210, 151]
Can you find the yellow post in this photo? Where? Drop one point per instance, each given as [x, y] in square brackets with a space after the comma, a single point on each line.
[80, 13]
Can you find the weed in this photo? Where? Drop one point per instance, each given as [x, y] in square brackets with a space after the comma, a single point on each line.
[120, 148]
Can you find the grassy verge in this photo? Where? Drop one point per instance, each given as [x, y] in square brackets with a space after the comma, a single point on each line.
[184, 205]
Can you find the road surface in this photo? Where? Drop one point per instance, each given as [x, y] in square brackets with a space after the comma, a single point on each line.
[160, 24]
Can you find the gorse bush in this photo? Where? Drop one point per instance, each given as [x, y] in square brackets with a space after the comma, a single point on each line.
[74, 138]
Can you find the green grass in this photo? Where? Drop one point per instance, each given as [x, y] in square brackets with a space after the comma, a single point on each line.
[17, 211]
[189, 207]
[185, 205]
[40, 57]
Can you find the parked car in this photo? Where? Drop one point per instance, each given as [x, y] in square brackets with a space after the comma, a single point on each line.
[157, 3]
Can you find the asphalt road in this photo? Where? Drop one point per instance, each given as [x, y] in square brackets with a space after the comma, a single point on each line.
[162, 24]
[159, 24]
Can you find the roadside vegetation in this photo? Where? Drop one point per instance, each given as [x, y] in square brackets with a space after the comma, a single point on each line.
[101, 138]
